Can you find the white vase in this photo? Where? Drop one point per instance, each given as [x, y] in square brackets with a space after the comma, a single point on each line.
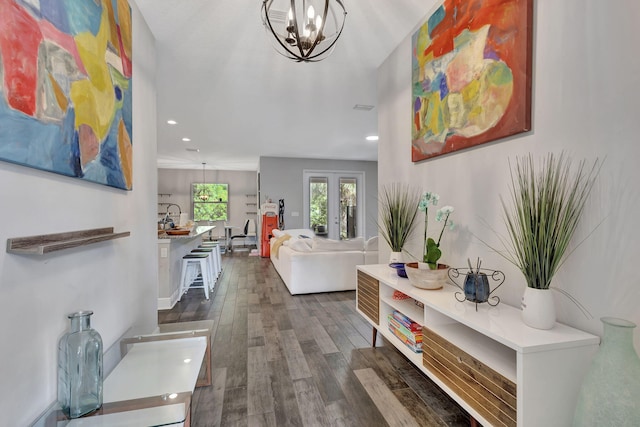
[538, 308]
[395, 257]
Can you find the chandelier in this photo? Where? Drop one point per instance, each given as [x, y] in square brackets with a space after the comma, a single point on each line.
[203, 194]
[308, 31]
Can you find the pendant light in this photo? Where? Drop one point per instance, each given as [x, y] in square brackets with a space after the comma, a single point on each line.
[203, 194]
[304, 30]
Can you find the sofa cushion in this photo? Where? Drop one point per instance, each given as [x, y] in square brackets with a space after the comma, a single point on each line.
[371, 244]
[277, 233]
[298, 244]
[300, 232]
[322, 245]
[294, 232]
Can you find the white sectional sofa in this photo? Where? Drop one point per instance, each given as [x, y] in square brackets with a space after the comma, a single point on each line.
[308, 264]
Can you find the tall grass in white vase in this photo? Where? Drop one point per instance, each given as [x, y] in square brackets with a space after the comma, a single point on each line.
[546, 205]
[397, 210]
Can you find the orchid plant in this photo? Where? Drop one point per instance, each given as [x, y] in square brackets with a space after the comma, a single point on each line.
[432, 252]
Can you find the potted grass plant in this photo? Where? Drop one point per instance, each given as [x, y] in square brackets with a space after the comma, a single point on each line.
[398, 208]
[545, 209]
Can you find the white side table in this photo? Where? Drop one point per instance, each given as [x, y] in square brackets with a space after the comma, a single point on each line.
[153, 383]
[156, 368]
[158, 411]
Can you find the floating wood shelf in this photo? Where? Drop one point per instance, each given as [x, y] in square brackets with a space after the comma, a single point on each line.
[43, 244]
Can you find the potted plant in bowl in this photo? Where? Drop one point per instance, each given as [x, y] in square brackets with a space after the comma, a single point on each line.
[429, 274]
[546, 205]
[397, 212]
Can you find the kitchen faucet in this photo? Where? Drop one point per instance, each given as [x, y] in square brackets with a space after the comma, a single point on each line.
[167, 217]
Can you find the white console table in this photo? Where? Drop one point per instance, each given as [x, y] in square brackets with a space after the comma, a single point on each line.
[501, 371]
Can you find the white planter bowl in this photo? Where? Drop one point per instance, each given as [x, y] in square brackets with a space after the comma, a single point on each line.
[427, 279]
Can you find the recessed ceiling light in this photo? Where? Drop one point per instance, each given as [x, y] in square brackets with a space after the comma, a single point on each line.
[172, 122]
[372, 138]
[186, 139]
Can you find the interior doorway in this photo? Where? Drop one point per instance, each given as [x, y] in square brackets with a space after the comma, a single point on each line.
[334, 203]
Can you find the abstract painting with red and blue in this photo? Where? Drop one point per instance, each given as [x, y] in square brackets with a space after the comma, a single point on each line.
[65, 88]
[471, 75]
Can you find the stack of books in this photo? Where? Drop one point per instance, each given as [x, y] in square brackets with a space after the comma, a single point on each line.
[408, 331]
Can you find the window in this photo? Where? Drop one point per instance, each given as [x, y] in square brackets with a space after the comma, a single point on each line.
[333, 203]
[348, 207]
[212, 207]
[318, 204]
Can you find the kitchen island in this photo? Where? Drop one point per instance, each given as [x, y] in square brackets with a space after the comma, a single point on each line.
[171, 249]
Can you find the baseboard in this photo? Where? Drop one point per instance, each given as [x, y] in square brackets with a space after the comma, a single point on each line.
[168, 303]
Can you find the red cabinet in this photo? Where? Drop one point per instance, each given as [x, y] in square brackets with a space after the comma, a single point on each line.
[269, 222]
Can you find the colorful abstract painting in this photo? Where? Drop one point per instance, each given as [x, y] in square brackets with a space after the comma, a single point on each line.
[65, 92]
[471, 75]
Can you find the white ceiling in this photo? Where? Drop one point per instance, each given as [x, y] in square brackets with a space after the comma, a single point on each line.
[237, 99]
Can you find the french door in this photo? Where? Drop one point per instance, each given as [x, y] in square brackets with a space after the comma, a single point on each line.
[334, 203]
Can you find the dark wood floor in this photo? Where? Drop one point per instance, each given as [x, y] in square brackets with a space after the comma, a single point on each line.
[307, 360]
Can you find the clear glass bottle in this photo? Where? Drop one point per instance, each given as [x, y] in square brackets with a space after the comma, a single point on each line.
[610, 392]
[80, 367]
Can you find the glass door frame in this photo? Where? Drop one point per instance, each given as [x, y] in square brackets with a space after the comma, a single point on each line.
[333, 198]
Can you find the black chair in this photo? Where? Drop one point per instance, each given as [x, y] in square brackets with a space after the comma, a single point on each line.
[239, 236]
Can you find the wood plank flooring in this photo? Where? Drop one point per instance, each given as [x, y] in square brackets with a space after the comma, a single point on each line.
[305, 360]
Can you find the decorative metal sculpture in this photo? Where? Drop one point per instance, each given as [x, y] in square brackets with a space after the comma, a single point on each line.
[476, 287]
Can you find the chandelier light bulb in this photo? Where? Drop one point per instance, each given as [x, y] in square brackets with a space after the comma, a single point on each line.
[311, 13]
[290, 27]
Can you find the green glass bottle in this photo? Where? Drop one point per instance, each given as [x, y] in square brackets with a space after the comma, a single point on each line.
[80, 376]
[610, 393]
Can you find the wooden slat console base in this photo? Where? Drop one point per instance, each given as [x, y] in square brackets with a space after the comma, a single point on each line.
[369, 297]
[488, 392]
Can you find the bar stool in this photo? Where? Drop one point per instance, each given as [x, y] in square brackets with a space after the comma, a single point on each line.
[194, 264]
[217, 257]
[210, 264]
[217, 250]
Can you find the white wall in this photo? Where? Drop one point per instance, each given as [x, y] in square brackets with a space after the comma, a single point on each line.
[115, 279]
[282, 178]
[586, 91]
